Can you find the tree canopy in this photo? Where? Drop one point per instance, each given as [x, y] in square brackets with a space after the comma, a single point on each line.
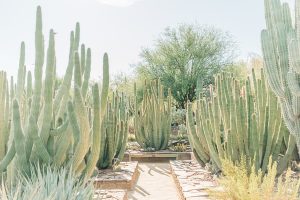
[184, 55]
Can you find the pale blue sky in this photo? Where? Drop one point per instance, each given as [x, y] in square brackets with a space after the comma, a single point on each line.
[121, 27]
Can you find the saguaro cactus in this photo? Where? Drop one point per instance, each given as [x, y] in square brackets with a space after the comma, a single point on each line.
[152, 119]
[239, 120]
[280, 45]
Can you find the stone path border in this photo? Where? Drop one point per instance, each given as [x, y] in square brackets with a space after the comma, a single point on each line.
[110, 195]
[124, 178]
[157, 156]
[191, 179]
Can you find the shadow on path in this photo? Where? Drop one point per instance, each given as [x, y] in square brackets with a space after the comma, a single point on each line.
[154, 183]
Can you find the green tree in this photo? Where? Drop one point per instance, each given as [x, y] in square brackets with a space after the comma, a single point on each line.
[185, 54]
[238, 69]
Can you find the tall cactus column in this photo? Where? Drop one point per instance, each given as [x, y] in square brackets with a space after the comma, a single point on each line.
[4, 117]
[152, 119]
[242, 121]
[281, 50]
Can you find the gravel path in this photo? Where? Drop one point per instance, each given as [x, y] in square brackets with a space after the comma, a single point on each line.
[155, 183]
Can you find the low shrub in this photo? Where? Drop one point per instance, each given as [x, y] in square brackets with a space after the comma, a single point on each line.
[238, 183]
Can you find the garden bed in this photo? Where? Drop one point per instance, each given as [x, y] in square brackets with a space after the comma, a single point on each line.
[191, 180]
[123, 178]
[110, 195]
[157, 156]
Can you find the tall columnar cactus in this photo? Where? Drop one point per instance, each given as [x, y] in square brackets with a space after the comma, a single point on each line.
[280, 45]
[152, 119]
[238, 120]
[5, 116]
[114, 132]
[51, 126]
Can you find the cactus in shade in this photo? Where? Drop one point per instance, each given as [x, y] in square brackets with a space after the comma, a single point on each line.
[51, 126]
[239, 119]
[114, 132]
[280, 45]
[152, 119]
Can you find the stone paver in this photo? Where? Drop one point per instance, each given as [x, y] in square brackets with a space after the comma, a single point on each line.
[110, 195]
[154, 183]
[191, 180]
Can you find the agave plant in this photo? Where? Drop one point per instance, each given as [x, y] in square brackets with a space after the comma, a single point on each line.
[48, 184]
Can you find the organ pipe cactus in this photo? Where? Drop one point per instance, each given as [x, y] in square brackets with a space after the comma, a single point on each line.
[114, 132]
[51, 126]
[280, 45]
[5, 116]
[239, 119]
[152, 119]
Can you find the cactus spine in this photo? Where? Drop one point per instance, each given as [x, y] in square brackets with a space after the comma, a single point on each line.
[152, 120]
[239, 120]
[280, 45]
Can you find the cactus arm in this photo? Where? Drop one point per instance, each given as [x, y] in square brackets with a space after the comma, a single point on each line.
[62, 145]
[8, 158]
[74, 124]
[82, 58]
[66, 84]
[7, 116]
[87, 71]
[95, 149]
[105, 85]
[48, 90]
[39, 61]
[2, 110]
[21, 73]
[83, 145]
[109, 134]
[22, 160]
[40, 148]
[77, 37]
[197, 146]
[124, 133]
[270, 63]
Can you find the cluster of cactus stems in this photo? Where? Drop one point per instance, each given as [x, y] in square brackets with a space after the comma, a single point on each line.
[280, 45]
[114, 131]
[239, 119]
[152, 119]
[58, 126]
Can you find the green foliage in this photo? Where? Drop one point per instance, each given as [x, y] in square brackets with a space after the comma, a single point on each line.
[183, 55]
[178, 116]
[48, 184]
[238, 184]
[238, 69]
[280, 45]
[152, 119]
[239, 119]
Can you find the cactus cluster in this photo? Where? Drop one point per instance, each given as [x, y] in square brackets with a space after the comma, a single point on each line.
[48, 125]
[114, 133]
[152, 119]
[280, 45]
[239, 119]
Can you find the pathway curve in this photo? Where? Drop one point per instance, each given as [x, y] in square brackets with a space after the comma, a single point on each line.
[154, 183]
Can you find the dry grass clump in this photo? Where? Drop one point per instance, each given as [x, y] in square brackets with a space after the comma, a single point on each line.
[240, 184]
